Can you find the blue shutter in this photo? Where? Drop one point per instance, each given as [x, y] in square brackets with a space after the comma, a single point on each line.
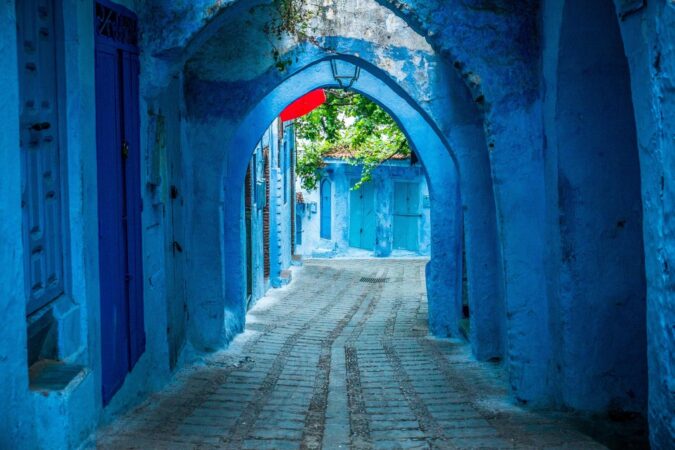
[40, 153]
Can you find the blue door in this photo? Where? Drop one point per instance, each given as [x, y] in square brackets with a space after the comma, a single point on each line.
[119, 197]
[41, 199]
[362, 217]
[406, 216]
[299, 212]
[326, 209]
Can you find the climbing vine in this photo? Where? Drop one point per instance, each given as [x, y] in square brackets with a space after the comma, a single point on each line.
[292, 20]
[352, 126]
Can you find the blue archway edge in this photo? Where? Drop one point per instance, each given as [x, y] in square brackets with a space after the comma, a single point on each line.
[444, 269]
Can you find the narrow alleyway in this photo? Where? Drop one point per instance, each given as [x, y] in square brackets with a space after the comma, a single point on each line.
[340, 359]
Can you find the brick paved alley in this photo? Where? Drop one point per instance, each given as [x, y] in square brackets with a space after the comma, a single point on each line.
[340, 359]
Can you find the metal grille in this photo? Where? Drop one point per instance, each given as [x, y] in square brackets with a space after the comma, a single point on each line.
[373, 280]
[116, 25]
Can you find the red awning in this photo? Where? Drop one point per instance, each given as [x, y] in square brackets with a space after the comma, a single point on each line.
[304, 105]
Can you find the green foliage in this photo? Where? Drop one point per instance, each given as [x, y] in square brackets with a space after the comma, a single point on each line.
[292, 20]
[351, 124]
[310, 162]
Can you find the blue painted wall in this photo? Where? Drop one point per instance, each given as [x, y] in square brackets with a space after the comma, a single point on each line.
[600, 303]
[14, 395]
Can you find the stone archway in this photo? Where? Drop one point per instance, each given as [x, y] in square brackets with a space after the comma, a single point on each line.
[444, 269]
[222, 87]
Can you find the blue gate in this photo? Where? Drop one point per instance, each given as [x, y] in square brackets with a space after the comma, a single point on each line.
[119, 197]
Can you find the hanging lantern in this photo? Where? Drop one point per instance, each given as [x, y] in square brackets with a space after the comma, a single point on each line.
[345, 73]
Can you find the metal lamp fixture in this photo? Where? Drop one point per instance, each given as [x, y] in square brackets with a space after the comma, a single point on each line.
[345, 73]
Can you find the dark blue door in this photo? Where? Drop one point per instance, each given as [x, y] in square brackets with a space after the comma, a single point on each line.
[326, 210]
[119, 197]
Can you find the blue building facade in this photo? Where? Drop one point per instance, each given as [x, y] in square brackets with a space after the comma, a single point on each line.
[387, 216]
[128, 129]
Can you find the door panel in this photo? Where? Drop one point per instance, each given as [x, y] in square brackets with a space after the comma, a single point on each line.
[326, 209]
[369, 219]
[114, 305]
[132, 202]
[406, 216]
[166, 125]
[362, 217]
[119, 195]
[40, 152]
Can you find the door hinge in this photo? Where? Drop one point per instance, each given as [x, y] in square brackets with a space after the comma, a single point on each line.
[125, 150]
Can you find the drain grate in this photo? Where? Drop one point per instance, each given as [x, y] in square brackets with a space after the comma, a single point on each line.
[374, 280]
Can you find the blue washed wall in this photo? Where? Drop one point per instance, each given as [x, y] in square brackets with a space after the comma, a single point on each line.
[601, 281]
[649, 43]
[341, 175]
[15, 405]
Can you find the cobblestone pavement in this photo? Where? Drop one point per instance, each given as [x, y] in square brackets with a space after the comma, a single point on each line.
[340, 359]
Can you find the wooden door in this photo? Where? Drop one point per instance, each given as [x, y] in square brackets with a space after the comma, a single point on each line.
[406, 216]
[362, 217]
[40, 152]
[326, 209]
[119, 196]
[169, 139]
